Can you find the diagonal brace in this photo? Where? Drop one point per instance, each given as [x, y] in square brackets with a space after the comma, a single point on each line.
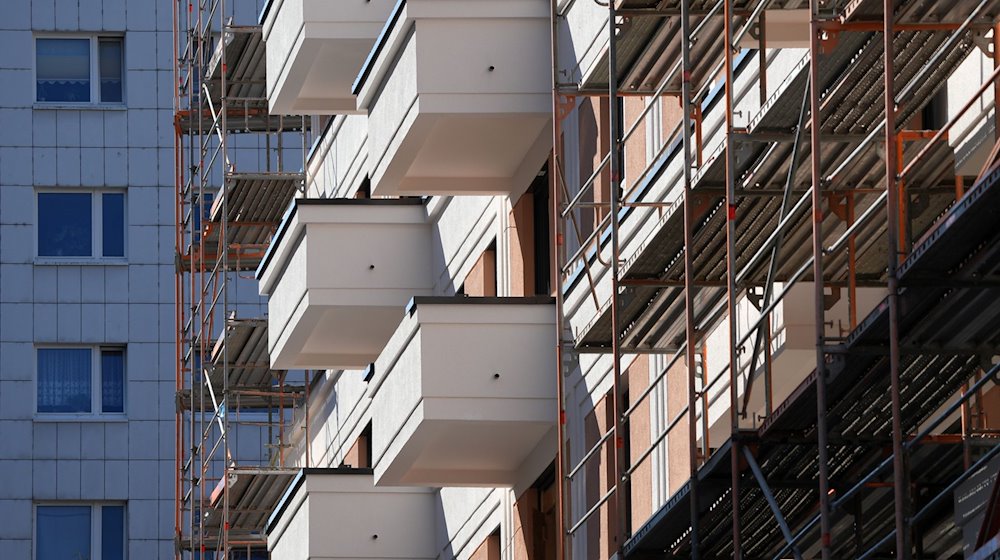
[771, 501]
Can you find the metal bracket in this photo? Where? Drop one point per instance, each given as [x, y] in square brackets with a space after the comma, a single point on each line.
[838, 205]
[984, 43]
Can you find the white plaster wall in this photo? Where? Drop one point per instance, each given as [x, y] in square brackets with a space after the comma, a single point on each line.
[972, 137]
[463, 227]
[395, 113]
[337, 166]
[583, 36]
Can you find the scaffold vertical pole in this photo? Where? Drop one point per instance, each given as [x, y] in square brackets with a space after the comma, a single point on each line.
[555, 211]
[618, 408]
[691, 335]
[731, 290]
[892, 231]
[178, 295]
[815, 123]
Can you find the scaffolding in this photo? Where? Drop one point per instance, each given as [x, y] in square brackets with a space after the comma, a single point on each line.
[237, 169]
[834, 178]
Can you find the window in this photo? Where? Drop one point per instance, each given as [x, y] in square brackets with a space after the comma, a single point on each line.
[202, 213]
[66, 379]
[79, 70]
[64, 531]
[540, 215]
[66, 224]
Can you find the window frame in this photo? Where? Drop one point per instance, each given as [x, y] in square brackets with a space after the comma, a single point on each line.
[96, 383]
[95, 71]
[96, 527]
[97, 227]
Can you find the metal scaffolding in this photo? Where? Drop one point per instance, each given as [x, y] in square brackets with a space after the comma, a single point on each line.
[232, 188]
[835, 181]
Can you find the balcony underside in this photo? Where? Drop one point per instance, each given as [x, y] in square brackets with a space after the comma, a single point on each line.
[463, 396]
[459, 102]
[315, 49]
[338, 277]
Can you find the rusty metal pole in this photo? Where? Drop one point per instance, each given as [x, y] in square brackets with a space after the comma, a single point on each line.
[852, 266]
[815, 122]
[227, 498]
[179, 450]
[731, 293]
[892, 230]
[615, 184]
[689, 326]
[198, 281]
[562, 494]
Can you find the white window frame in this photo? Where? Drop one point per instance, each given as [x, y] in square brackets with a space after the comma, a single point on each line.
[95, 71]
[97, 227]
[96, 532]
[96, 377]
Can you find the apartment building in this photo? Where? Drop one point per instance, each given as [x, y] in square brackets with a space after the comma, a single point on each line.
[545, 284]
[86, 280]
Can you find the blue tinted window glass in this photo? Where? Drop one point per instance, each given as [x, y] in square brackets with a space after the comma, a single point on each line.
[64, 380]
[110, 60]
[114, 224]
[62, 70]
[65, 225]
[112, 381]
[113, 533]
[62, 532]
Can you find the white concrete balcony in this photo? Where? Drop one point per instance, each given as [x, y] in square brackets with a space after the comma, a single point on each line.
[339, 513]
[792, 346]
[338, 275]
[465, 393]
[315, 49]
[459, 98]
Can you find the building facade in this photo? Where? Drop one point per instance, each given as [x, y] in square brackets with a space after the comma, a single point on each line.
[301, 279]
[549, 281]
[87, 295]
[681, 421]
[87, 270]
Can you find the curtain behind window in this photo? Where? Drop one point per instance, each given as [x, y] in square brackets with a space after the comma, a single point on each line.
[64, 379]
[62, 70]
[62, 532]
